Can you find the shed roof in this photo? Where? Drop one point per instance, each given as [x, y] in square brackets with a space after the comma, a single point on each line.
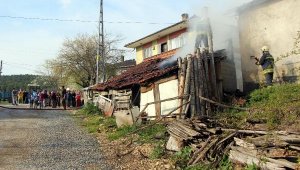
[141, 73]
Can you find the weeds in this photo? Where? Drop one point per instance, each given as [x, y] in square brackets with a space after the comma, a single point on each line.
[89, 108]
[251, 167]
[158, 151]
[182, 157]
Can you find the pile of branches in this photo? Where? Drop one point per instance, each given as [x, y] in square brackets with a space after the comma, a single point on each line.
[210, 143]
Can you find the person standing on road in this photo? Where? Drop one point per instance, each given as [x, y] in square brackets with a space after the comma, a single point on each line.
[14, 95]
[63, 97]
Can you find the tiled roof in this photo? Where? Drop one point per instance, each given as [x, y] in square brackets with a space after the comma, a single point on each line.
[126, 64]
[141, 73]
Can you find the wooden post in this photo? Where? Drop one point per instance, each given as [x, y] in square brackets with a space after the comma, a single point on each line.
[192, 92]
[197, 87]
[187, 80]
[157, 98]
[206, 71]
[212, 59]
[181, 78]
[201, 83]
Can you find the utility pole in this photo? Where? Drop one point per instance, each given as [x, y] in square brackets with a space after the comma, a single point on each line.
[1, 67]
[100, 47]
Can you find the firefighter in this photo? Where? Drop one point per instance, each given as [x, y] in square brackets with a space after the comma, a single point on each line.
[267, 64]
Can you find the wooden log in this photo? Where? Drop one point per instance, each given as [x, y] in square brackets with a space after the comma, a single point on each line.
[264, 141]
[284, 163]
[187, 81]
[244, 144]
[192, 91]
[258, 132]
[243, 158]
[257, 160]
[222, 105]
[201, 82]
[212, 59]
[207, 78]
[197, 86]
[181, 86]
[293, 139]
[278, 153]
[205, 150]
[295, 148]
[195, 155]
[156, 95]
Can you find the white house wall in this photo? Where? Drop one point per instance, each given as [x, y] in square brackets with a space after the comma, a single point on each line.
[274, 24]
[168, 90]
[147, 98]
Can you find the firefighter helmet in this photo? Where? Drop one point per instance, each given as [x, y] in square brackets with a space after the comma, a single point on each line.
[265, 49]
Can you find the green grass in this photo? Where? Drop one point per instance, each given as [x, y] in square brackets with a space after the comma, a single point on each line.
[182, 157]
[145, 135]
[89, 117]
[279, 105]
[158, 151]
[4, 102]
[91, 123]
[89, 108]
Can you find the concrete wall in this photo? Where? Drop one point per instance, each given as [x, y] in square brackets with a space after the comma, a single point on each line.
[274, 24]
[168, 90]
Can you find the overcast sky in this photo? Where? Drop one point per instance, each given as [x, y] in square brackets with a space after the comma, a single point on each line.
[25, 44]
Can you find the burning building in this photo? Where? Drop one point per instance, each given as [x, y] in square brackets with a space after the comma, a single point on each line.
[272, 23]
[154, 83]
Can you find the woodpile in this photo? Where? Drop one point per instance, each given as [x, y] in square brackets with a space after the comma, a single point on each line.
[210, 143]
[197, 77]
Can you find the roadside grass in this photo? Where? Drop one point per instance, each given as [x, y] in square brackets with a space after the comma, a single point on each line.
[89, 117]
[145, 135]
[4, 102]
[278, 105]
[92, 119]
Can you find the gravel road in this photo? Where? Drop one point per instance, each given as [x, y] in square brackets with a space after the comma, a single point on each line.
[46, 140]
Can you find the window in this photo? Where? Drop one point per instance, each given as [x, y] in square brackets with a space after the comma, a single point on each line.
[177, 42]
[147, 52]
[163, 47]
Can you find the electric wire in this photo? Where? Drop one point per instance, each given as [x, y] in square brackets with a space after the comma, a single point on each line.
[82, 21]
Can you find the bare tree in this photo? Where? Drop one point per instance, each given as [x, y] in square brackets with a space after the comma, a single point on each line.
[76, 61]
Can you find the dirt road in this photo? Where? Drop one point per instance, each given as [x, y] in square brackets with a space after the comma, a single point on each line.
[46, 140]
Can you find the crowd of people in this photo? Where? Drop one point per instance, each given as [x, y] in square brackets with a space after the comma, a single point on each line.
[44, 98]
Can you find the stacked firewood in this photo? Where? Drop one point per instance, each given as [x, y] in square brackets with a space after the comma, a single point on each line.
[197, 77]
[276, 150]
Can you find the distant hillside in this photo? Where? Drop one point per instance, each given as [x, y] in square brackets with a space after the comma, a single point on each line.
[7, 83]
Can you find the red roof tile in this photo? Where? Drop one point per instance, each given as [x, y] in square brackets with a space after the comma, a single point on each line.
[143, 72]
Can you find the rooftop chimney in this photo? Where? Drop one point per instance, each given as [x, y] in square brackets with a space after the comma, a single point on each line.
[184, 16]
[122, 58]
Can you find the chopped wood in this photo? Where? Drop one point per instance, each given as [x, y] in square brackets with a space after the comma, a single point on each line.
[244, 144]
[195, 155]
[204, 151]
[295, 148]
[239, 157]
[268, 142]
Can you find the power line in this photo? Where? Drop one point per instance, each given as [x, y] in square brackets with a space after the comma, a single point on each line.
[82, 21]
